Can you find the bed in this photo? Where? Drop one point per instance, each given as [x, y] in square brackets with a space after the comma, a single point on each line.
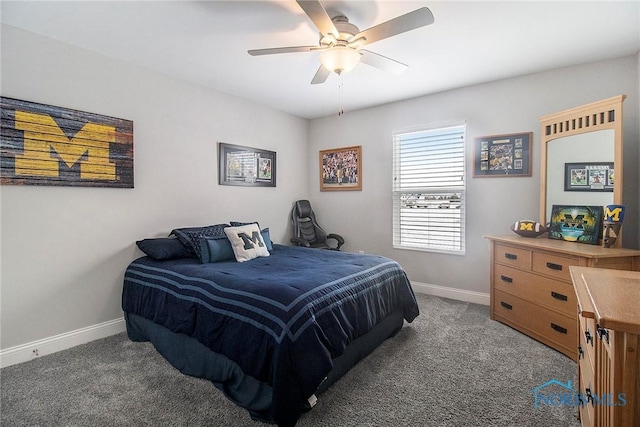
[271, 332]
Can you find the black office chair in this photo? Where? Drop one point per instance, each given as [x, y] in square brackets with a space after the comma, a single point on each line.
[306, 230]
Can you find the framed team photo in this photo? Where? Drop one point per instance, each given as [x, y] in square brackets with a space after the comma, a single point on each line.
[594, 176]
[341, 169]
[503, 155]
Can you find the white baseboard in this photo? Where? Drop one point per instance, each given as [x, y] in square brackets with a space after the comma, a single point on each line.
[29, 351]
[453, 293]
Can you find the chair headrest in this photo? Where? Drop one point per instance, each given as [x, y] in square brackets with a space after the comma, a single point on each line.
[304, 208]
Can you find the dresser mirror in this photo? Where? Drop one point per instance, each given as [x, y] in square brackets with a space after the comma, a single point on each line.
[590, 133]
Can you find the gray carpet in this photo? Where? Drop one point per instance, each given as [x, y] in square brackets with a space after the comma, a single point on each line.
[452, 366]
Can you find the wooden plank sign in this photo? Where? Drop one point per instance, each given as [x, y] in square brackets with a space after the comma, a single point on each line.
[46, 145]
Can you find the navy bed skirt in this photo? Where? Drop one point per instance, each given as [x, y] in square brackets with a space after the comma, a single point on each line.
[193, 358]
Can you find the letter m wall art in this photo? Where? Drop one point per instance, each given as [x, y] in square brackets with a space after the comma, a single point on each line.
[46, 145]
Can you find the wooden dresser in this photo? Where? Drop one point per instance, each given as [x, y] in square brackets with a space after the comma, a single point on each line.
[531, 288]
[609, 331]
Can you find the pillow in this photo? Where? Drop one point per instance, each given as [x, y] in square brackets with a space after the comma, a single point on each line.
[267, 238]
[163, 249]
[241, 223]
[190, 237]
[264, 232]
[247, 242]
[215, 250]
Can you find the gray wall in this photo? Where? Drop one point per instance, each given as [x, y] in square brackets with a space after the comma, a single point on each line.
[506, 106]
[64, 250]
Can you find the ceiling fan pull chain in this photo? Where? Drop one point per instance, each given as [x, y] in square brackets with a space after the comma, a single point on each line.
[340, 108]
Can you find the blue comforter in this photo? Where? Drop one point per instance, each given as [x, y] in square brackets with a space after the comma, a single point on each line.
[281, 318]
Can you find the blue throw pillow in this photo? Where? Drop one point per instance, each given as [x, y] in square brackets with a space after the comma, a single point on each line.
[215, 250]
[190, 237]
[163, 249]
[267, 238]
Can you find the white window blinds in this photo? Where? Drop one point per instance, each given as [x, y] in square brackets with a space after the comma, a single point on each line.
[428, 190]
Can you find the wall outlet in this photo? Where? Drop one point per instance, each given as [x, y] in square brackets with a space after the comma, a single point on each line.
[361, 252]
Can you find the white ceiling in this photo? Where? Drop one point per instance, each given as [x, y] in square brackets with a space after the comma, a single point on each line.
[207, 42]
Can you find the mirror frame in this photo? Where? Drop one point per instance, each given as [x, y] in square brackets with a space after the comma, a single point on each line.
[599, 115]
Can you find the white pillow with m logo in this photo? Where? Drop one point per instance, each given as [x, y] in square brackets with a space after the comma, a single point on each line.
[247, 242]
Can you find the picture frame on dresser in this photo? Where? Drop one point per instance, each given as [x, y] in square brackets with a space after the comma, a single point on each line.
[580, 224]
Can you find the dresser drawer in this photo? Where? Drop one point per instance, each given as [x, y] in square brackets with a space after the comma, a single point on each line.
[537, 289]
[544, 324]
[586, 386]
[587, 339]
[586, 416]
[515, 257]
[553, 265]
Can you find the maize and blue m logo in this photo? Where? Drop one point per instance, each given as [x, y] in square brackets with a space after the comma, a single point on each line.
[46, 145]
[42, 155]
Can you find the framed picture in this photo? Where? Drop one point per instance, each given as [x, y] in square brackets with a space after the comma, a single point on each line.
[341, 169]
[43, 144]
[596, 176]
[582, 224]
[247, 166]
[502, 155]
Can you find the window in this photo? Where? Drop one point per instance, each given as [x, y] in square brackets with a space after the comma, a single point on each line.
[428, 190]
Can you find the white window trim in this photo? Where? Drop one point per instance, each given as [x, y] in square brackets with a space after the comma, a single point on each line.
[432, 190]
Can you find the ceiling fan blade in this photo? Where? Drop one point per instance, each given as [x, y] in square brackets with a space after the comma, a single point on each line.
[321, 76]
[319, 16]
[407, 22]
[275, 50]
[382, 62]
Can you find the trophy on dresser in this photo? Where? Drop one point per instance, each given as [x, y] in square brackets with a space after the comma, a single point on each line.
[613, 216]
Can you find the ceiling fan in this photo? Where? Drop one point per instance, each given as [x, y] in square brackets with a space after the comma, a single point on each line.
[341, 42]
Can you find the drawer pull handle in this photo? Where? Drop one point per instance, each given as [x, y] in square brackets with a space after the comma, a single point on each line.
[510, 256]
[580, 352]
[553, 266]
[558, 296]
[588, 337]
[558, 328]
[587, 392]
[506, 279]
[505, 305]
[603, 333]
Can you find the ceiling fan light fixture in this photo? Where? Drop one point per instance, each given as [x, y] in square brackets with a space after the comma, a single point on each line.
[340, 59]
